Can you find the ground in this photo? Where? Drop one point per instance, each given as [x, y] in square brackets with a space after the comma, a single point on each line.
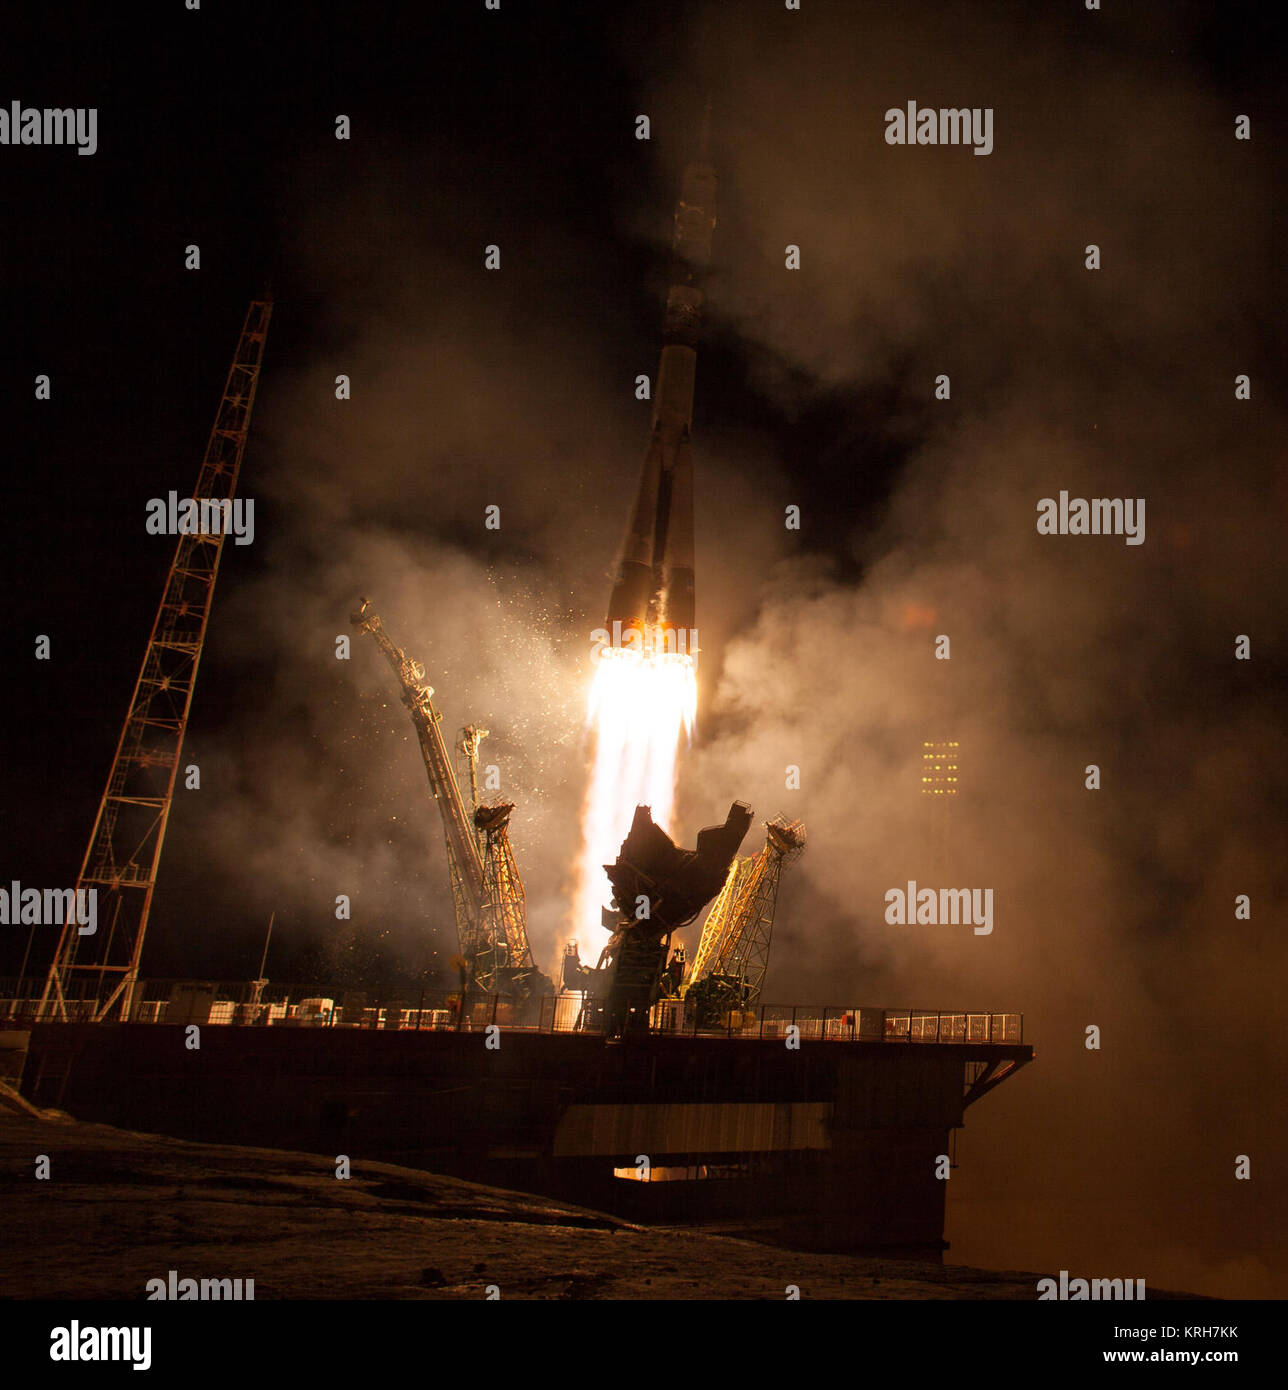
[120, 1208]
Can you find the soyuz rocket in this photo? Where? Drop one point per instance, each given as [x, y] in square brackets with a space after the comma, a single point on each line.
[654, 584]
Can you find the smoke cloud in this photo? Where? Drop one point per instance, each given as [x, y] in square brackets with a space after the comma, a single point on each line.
[1114, 908]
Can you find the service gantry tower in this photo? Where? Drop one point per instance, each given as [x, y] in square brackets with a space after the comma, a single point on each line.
[487, 892]
[124, 851]
[737, 934]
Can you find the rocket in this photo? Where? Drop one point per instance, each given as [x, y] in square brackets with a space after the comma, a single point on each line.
[653, 592]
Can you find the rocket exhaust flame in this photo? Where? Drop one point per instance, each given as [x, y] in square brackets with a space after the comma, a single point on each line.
[644, 695]
[641, 706]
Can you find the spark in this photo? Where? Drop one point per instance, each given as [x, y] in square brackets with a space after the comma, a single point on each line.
[641, 705]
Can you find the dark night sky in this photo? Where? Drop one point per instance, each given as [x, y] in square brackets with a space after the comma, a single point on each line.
[218, 128]
[472, 127]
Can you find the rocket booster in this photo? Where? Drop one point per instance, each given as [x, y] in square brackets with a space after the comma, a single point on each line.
[654, 586]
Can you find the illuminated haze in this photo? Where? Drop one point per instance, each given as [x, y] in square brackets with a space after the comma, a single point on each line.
[1113, 908]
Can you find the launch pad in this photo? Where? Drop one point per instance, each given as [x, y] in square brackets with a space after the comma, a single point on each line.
[658, 1089]
[837, 1143]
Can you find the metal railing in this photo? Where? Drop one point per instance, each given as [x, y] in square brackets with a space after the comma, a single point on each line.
[311, 1006]
[829, 1023]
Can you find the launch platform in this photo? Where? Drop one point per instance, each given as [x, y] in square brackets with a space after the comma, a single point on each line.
[819, 1129]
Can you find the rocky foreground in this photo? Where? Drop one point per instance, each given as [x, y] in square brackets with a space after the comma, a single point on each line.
[119, 1209]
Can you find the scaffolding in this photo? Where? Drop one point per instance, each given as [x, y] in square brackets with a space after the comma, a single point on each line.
[124, 852]
[737, 934]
